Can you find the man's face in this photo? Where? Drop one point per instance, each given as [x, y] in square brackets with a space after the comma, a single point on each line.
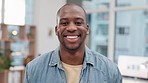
[71, 27]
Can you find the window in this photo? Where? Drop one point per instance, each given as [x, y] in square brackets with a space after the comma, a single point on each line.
[16, 12]
[0, 11]
[123, 30]
[95, 4]
[98, 23]
[118, 27]
[132, 2]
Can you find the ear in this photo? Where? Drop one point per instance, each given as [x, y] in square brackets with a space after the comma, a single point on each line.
[56, 30]
[87, 29]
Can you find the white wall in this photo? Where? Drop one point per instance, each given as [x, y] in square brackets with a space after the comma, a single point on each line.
[45, 19]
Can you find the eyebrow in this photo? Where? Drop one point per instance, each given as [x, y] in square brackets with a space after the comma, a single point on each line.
[63, 19]
[80, 19]
[74, 19]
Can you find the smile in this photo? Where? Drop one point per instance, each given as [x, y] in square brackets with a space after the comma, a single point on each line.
[72, 37]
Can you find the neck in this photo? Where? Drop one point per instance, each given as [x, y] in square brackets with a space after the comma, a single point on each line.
[72, 57]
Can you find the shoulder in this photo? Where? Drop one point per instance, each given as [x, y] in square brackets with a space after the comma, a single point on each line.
[103, 62]
[97, 58]
[108, 67]
[36, 67]
[39, 62]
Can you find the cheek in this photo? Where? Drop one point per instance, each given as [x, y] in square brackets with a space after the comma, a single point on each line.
[85, 31]
[57, 31]
[60, 30]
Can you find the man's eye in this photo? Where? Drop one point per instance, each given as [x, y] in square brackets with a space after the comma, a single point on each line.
[78, 23]
[64, 23]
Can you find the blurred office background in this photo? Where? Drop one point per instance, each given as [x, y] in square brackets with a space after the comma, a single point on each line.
[118, 30]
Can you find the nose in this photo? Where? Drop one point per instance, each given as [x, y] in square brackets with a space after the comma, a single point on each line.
[72, 27]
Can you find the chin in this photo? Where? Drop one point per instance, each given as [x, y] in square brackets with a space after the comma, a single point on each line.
[72, 47]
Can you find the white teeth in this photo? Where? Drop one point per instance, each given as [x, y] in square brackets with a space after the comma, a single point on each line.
[72, 37]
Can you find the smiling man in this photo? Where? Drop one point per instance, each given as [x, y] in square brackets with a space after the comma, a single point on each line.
[71, 27]
[72, 61]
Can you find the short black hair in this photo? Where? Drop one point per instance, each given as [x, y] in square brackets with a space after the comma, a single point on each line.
[58, 12]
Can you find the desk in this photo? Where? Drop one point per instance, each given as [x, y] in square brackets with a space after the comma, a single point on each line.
[134, 80]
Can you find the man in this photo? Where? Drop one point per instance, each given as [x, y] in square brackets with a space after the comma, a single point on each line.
[72, 61]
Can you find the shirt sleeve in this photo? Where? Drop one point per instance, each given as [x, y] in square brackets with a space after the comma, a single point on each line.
[26, 75]
[118, 76]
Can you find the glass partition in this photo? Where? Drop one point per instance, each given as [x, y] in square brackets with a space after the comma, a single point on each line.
[29, 11]
[131, 33]
[95, 4]
[131, 2]
[99, 32]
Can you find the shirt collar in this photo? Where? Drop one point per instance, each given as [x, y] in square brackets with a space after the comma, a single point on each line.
[88, 59]
[55, 58]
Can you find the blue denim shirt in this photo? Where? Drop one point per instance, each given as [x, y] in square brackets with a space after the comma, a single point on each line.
[47, 68]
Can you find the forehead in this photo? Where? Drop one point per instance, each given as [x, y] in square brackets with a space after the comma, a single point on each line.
[71, 11]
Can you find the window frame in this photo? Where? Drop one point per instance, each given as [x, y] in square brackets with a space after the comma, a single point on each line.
[112, 20]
